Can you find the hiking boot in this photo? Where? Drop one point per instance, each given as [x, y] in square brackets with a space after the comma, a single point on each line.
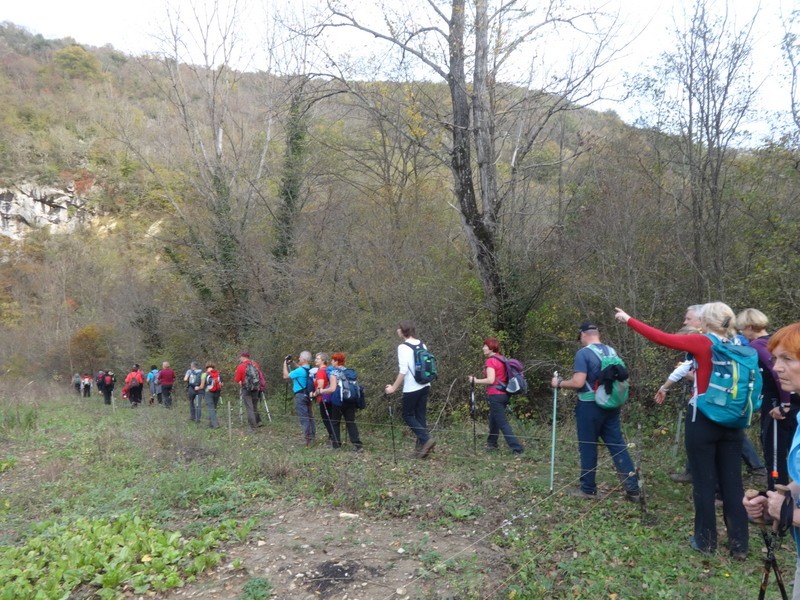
[695, 546]
[681, 477]
[633, 496]
[491, 448]
[426, 448]
[579, 493]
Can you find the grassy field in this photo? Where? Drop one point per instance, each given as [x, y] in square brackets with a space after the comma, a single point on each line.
[105, 503]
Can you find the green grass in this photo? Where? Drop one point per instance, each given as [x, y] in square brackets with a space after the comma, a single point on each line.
[142, 501]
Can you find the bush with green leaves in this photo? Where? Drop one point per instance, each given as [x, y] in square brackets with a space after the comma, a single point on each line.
[107, 554]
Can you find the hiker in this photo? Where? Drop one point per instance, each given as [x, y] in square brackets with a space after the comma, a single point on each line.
[321, 380]
[415, 394]
[109, 380]
[784, 347]
[714, 450]
[594, 422]
[166, 380]
[194, 390]
[777, 409]
[211, 385]
[134, 382]
[98, 381]
[495, 379]
[301, 377]
[341, 409]
[86, 385]
[250, 390]
[152, 383]
[76, 383]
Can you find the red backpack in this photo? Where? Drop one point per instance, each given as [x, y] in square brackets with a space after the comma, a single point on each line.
[213, 381]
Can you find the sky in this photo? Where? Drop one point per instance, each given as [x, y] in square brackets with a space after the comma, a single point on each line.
[647, 23]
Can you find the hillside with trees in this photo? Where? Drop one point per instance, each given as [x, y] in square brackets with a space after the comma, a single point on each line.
[277, 211]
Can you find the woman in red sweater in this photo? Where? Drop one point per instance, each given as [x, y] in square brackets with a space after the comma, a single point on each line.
[714, 451]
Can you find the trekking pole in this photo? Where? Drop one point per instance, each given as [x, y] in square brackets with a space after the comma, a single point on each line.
[775, 473]
[771, 540]
[230, 424]
[266, 408]
[241, 406]
[473, 411]
[391, 425]
[553, 439]
[678, 427]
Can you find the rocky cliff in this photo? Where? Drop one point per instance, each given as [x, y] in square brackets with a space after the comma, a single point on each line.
[27, 206]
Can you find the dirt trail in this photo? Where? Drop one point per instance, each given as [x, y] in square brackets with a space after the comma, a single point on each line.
[333, 555]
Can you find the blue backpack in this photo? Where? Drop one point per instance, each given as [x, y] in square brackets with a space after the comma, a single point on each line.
[734, 389]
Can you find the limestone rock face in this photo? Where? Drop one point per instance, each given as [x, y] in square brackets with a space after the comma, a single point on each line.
[27, 206]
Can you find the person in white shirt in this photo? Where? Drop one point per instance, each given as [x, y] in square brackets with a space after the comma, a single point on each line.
[415, 395]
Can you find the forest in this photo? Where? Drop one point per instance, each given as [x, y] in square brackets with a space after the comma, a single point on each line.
[305, 208]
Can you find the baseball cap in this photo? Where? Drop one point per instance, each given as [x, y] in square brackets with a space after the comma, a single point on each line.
[586, 326]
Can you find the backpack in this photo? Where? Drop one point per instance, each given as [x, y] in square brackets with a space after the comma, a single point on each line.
[515, 375]
[734, 388]
[252, 378]
[109, 380]
[310, 385]
[425, 368]
[351, 391]
[136, 381]
[613, 386]
[213, 381]
[195, 377]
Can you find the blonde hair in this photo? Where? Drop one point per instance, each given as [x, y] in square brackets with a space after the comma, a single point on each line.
[719, 318]
[752, 317]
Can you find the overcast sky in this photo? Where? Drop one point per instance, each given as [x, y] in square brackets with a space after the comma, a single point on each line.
[131, 27]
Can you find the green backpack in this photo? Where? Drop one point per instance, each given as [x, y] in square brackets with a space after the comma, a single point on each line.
[612, 386]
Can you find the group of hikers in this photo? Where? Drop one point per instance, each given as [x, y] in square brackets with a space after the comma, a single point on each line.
[714, 445]
[735, 366]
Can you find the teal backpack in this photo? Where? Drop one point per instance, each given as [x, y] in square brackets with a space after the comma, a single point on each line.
[612, 386]
[734, 389]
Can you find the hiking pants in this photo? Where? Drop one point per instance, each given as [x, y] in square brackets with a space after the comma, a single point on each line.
[212, 401]
[595, 423]
[415, 413]
[250, 400]
[498, 421]
[715, 456]
[348, 411]
[325, 412]
[195, 404]
[302, 408]
[166, 393]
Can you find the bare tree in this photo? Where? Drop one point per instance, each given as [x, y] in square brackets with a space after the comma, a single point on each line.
[221, 155]
[703, 94]
[495, 117]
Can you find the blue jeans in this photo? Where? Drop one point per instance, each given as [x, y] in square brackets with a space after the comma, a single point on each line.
[498, 421]
[415, 413]
[715, 455]
[302, 408]
[595, 423]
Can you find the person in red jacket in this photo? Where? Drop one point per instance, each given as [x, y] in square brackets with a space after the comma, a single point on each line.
[166, 379]
[134, 382]
[249, 394]
[714, 451]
